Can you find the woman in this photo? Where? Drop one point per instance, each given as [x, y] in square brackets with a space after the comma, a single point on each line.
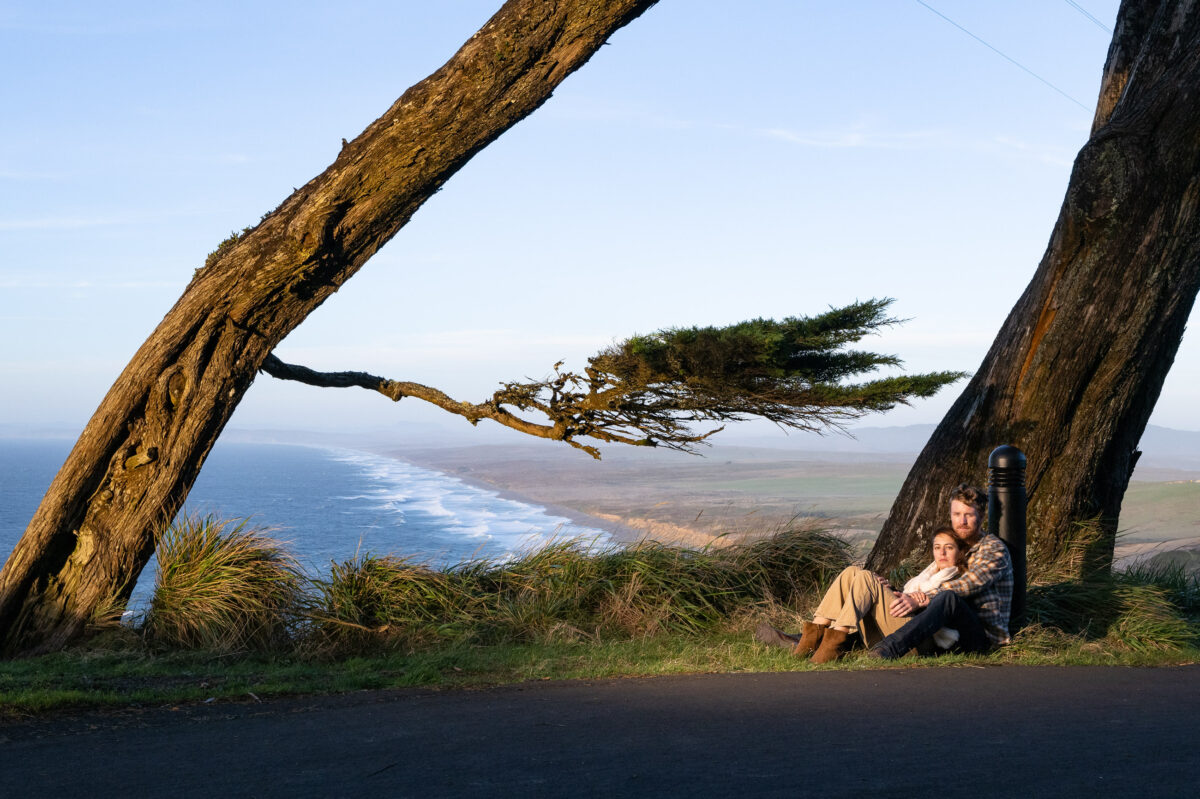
[858, 602]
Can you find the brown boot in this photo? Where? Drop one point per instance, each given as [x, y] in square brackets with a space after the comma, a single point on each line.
[810, 639]
[833, 645]
[768, 635]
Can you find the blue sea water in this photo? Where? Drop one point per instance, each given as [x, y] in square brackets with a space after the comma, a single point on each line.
[327, 504]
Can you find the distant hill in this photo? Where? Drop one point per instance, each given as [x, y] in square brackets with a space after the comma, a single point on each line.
[1181, 447]
[908, 439]
[1162, 447]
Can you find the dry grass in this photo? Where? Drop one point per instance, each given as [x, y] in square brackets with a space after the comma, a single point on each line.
[1142, 611]
[565, 591]
[224, 587]
[560, 612]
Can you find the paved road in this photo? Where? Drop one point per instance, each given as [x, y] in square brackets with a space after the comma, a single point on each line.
[1009, 731]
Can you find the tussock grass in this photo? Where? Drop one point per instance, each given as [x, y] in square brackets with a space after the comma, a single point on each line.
[1084, 554]
[371, 601]
[222, 585]
[559, 612]
[562, 611]
[1144, 609]
[1146, 621]
[225, 587]
[564, 591]
[1180, 584]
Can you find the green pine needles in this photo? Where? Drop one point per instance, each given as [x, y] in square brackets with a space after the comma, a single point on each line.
[651, 390]
[798, 373]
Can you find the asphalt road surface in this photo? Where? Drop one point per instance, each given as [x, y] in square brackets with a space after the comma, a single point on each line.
[944, 732]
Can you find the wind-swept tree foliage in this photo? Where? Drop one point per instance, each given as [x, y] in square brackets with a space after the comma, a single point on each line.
[1075, 371]
[650, 390]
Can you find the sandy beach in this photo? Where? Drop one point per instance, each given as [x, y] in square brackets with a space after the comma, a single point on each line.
[616, 527]
[679, 499]
[739, 493]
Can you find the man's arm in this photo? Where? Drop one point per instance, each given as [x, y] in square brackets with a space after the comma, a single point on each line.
[987, 564]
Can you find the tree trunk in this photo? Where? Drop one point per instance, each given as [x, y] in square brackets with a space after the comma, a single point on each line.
[1076, 369]
[138, 456]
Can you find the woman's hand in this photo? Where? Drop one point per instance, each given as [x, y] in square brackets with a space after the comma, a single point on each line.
[904, 605]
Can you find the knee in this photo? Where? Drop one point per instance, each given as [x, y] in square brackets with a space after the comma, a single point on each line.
[857, 574]
[945, 599]
[849, 575]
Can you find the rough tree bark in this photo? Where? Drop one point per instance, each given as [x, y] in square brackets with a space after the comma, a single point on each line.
[141, 451]
[1076, 369]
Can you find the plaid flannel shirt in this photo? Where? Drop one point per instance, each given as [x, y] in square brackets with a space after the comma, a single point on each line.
[987, 585]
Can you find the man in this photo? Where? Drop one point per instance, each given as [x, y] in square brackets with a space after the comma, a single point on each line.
[977, 603]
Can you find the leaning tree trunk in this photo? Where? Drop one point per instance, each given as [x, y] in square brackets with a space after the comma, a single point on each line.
[139, 455]
[1077, 367]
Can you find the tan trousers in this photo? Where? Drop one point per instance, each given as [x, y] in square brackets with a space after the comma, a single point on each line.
[857, 601]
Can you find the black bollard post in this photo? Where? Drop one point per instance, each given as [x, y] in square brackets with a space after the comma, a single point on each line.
[1006, 517]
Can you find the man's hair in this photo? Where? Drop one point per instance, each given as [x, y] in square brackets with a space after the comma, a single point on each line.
[971, 495]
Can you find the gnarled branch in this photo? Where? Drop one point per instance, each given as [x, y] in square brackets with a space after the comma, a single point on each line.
[649, 390]
[564, 429]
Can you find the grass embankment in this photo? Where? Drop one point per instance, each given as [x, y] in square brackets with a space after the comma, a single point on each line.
[232, 618]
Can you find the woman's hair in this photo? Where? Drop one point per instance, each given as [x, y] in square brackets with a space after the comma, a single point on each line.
[960, 560]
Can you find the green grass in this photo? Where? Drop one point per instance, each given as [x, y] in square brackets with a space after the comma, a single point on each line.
[1160, 511]
[838, 495]
[96, 678]
[559, 612]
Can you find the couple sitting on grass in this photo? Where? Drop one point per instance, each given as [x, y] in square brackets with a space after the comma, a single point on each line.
[960, 601]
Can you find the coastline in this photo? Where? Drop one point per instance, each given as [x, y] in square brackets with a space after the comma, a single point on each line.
[675, 504]
[636, 504]
[621, 531]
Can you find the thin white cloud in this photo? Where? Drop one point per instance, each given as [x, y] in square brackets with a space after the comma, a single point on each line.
[82, 222]
[595, 112]
[962, 339]
[62, 222]
[861, 138]
[857, 138]
[5, 318]
[440, 348]
[18, 174]
[39, 365]
[1056, 157]
[58, 285]
[96, 22]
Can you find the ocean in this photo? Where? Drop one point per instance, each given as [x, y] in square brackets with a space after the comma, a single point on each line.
[327, 504]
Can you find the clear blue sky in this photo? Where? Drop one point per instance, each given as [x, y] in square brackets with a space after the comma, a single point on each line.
[717, 161]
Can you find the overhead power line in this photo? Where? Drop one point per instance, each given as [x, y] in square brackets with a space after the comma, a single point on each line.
[1085, 12]
[1005, 56]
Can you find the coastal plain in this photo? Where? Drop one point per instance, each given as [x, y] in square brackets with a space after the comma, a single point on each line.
[731, 493]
